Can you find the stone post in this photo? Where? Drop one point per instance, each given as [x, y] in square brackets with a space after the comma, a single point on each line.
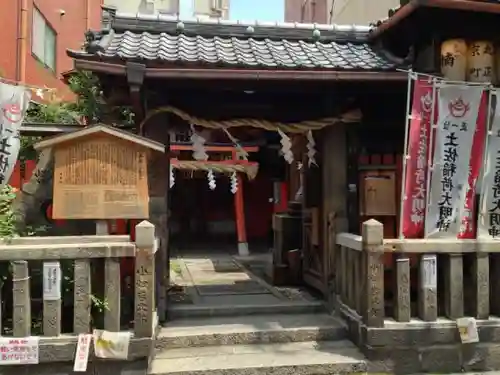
[22, 299]
[373, 253]
[144, 280]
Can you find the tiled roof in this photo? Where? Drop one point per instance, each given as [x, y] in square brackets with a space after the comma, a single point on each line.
[168, 40]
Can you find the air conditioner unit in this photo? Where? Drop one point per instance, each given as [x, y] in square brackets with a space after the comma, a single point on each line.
[218, 7]
[148, 7]
[217, 4]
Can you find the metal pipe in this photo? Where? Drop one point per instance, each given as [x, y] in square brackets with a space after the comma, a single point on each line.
[491, 114]
[405, 154]
[444, 80]
[22, 42]
[430, 151]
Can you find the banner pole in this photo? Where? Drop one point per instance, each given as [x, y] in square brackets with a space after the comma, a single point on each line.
[447, 81]
[430, 151]
[405, 153]
[491, 114]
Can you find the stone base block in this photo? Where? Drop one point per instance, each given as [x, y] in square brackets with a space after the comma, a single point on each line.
[423, 347]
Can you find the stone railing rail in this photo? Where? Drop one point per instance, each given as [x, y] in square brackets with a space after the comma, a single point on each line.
[465, 272]
[56, 346]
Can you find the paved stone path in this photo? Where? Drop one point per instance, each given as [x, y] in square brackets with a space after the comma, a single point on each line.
[217, 279]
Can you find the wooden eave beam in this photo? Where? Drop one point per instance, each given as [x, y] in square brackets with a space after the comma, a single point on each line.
[178, 147]
[412, 6]
[244, 74]
[42, 129]
[175, 161]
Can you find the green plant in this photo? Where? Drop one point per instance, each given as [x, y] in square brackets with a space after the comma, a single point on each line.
[90, 107]
[8, 227]
[99, 304]
[91, 104]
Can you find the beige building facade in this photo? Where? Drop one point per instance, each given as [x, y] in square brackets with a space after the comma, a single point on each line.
[343, 12]
[184, 8]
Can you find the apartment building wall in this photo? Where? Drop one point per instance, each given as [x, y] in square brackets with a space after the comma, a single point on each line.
[185, 8]
[360, 12]
[346, 12]
[53, 26]
[211, 8]
[145, 6]
[308, 11]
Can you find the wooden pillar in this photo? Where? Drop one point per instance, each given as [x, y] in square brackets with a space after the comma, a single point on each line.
[352, 178]
[163, 268]
[135, 78]
[239, 206]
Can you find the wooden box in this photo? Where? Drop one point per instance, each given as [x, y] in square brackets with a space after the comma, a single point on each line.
[378, 194]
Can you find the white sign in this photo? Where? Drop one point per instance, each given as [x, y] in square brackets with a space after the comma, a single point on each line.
[488, 225]
[458, 111]
[429, 271]
[111, 344]
[51, 281]
[467, 328]
[82, 352]
[19, 351]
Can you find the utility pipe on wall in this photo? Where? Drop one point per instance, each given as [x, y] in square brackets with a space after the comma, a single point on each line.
[22, 42]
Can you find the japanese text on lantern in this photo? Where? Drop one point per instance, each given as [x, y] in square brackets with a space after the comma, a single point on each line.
[449, 169]
[418, 202]
[494, 210]
[480, 64]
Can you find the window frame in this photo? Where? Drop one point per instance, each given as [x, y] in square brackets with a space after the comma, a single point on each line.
[47, 28]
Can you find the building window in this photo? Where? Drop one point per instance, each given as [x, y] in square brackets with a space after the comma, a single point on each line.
[43, 40]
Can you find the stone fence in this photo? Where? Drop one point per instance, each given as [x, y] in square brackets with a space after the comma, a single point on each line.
[402, 298]
[85, 254]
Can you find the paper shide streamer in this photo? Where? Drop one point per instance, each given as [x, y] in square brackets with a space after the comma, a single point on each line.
[311, 149]
[234, 183]
[286, 147]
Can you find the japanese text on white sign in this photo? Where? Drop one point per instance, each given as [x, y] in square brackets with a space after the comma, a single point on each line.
[19, 351]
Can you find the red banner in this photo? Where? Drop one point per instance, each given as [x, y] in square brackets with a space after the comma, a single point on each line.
[415, 183]
[468, 229]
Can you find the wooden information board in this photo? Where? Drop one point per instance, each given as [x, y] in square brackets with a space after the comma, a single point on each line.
[102, 177]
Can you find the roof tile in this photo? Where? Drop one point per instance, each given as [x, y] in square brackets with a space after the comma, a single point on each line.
[170, 40]
[244, 52]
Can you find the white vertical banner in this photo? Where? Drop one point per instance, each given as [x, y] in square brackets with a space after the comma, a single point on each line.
[488, 226]
[14, 102]
[458, 108]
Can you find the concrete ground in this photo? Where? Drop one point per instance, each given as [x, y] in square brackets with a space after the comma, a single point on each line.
[211, 279]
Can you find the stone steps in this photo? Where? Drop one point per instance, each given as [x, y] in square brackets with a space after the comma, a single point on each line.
[305, 344]
[276, 328]
[292, 307]
[305, 358]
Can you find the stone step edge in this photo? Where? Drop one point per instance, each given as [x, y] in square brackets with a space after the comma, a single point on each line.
[317, 369]
[280, 335]
[176, 312]
[349, 360]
